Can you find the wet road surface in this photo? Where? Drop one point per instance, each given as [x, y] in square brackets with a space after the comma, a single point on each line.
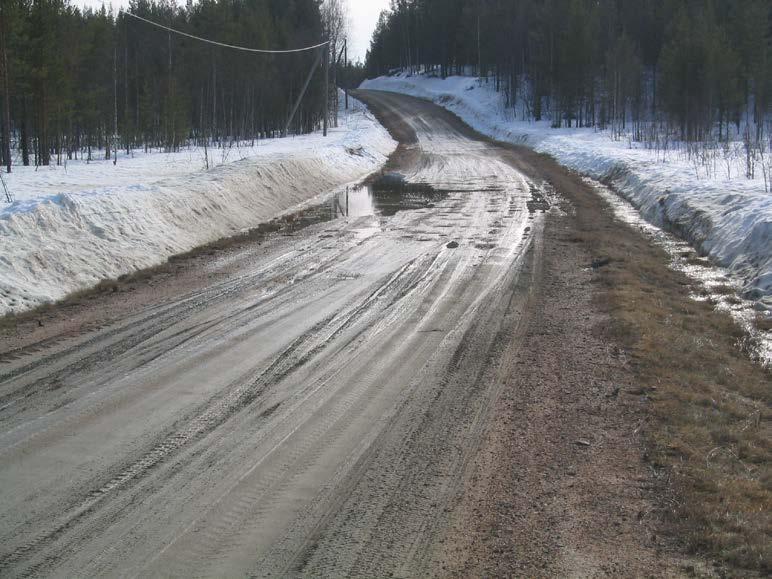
[311, 415]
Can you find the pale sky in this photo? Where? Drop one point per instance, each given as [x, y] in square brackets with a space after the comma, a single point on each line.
[363, 16]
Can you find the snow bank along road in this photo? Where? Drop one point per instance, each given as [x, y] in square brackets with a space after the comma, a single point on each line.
[74, 226]
[729, 220]
[311, 414]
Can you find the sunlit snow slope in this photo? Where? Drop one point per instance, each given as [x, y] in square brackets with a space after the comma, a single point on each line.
[72, 227]
[725, 216]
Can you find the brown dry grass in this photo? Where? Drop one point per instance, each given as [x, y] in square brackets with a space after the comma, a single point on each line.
[710, 430]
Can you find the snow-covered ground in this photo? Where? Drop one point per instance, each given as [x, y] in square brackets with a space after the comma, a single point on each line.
[74, 225]
[727, 219]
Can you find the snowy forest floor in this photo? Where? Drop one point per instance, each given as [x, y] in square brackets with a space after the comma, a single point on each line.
[74, 225]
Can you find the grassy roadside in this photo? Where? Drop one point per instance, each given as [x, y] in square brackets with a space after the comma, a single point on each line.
[709, 442]
[710, 431]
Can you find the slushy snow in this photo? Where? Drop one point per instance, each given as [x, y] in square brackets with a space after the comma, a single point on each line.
[728, 220]
[71, 227]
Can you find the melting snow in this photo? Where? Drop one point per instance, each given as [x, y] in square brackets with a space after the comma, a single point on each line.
[729, 220]
[73, 226]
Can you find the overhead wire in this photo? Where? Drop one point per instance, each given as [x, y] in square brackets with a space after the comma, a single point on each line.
[224, 45]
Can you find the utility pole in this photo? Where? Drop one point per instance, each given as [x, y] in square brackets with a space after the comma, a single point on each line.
[326, 49]
[170, 133]
[126, 122]
[345, 69]
[338, 57]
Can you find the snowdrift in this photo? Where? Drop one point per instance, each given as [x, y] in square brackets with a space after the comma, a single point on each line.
[56, 243]
[730, 221]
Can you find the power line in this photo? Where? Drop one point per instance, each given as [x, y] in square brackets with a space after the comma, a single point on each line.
[242, 48]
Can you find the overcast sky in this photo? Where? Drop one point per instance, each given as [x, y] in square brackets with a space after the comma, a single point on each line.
[363, 16]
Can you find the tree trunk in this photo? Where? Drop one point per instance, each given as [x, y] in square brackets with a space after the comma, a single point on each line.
[43, 149]
[115, 105]
[6, 95]
[23, 133]
[326, 87]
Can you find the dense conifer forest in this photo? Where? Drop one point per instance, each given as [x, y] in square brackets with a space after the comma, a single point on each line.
[691, 70]
[73, 79]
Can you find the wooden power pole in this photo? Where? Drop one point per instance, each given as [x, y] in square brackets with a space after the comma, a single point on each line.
[479, 46]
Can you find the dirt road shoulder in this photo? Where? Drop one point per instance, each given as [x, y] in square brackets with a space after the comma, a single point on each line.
[560, 486]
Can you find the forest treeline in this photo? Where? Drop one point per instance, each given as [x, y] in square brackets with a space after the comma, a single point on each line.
[73, 79]
[700, 68]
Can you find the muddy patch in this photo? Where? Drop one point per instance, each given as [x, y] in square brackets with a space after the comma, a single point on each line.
[537, 202]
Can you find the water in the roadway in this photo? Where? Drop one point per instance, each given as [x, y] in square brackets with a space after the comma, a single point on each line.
[385, 196]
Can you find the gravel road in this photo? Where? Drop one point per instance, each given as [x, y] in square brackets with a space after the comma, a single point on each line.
[310, 413]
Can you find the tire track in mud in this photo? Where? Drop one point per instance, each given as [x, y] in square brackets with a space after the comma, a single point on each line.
[251, 501]
[218, 410]
[158, 316]
[392, 520]
[301, 555]
[348, 405]
[109, 346]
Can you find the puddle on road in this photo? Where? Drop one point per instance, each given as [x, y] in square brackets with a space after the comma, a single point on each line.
[389, 194]
[538, 200]
[385, 196]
